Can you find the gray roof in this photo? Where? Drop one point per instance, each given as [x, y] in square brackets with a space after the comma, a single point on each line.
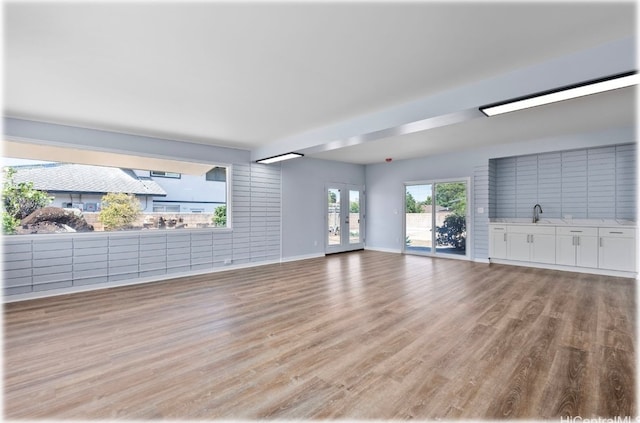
[60, 177]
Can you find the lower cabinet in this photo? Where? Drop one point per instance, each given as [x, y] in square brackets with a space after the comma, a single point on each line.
[585, 247]
[617, 249]
[577, 246]
[498, 241]
[531, 243]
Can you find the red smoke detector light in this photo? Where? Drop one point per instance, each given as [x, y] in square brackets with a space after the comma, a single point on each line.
[388, 159]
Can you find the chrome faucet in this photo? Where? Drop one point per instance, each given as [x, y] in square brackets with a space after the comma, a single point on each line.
[536, 215]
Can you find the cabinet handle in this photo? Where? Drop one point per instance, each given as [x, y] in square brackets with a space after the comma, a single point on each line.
[601, 241]
[612, 232]
[505, 237]
[578, 241]
[573, 240]
[576, 231]
[532, 238]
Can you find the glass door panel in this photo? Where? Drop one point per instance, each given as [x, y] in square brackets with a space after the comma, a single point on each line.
[418, 218]
[451, 218]
[334, 217]
[354, 217]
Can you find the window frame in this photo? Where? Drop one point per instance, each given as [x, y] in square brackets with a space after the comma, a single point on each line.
[228, 197]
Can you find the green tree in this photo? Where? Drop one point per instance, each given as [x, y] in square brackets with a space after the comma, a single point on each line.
[426, 202]
[354, 207]
[19, 200]
[119, 210]
[332, 197]
[411, 204]
[453, 196]
[220, 216]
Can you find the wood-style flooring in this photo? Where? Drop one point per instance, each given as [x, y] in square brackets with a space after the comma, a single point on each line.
[351, 336]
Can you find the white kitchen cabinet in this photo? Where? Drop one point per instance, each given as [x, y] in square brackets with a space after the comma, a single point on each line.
[498, 241]
[617, 249]
[603, 249]
[531, 243]
[543, 248]
[518, 247]
[577, 246]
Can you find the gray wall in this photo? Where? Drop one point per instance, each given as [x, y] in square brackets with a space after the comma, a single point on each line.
[593, 183]
[304, 202]
[385, 189]
[53, 262]
[34, 263]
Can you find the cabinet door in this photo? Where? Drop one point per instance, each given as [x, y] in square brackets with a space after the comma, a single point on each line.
[565, 250]
[616, 253]
[518, 246]
[587, 251]
[498, 243]
[543, 248]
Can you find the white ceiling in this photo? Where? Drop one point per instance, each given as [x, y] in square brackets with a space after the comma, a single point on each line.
[250, 75]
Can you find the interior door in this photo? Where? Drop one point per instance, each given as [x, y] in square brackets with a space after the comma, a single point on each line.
[345, 218]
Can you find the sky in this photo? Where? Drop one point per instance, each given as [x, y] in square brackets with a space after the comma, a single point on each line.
[419, 192]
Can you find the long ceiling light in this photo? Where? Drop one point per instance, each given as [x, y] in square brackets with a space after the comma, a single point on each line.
[564, 93]
[279, 158]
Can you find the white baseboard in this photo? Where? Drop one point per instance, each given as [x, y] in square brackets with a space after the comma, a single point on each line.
[592, 271]
[485, 261]
[302, 257]
[384, 250]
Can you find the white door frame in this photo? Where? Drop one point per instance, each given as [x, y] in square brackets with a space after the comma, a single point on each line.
[433, 252]
[345, 244]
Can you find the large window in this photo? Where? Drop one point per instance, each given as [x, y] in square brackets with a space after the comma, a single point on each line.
[436, 218]
[82, 197]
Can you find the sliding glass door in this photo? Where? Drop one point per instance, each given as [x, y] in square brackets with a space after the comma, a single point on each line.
[436, 218]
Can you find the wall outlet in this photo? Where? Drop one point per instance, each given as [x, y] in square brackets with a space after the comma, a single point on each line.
[227, 261]
[315, 243]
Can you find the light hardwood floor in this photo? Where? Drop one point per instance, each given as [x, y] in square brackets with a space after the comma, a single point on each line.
[359, 335]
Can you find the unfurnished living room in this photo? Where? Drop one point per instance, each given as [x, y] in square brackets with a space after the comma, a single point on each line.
[319, 210]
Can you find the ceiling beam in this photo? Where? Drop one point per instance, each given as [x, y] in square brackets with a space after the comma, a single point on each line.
[462, 103]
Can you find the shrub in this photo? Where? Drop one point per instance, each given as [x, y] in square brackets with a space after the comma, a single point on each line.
[453, 231]
[119, 210]
[19, 200]
[220, 216]
[9, 224]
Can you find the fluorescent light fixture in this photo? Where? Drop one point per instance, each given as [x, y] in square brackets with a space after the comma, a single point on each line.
[564, 93]
[279, 158]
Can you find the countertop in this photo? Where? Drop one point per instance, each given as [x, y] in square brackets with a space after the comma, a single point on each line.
[594, 223]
